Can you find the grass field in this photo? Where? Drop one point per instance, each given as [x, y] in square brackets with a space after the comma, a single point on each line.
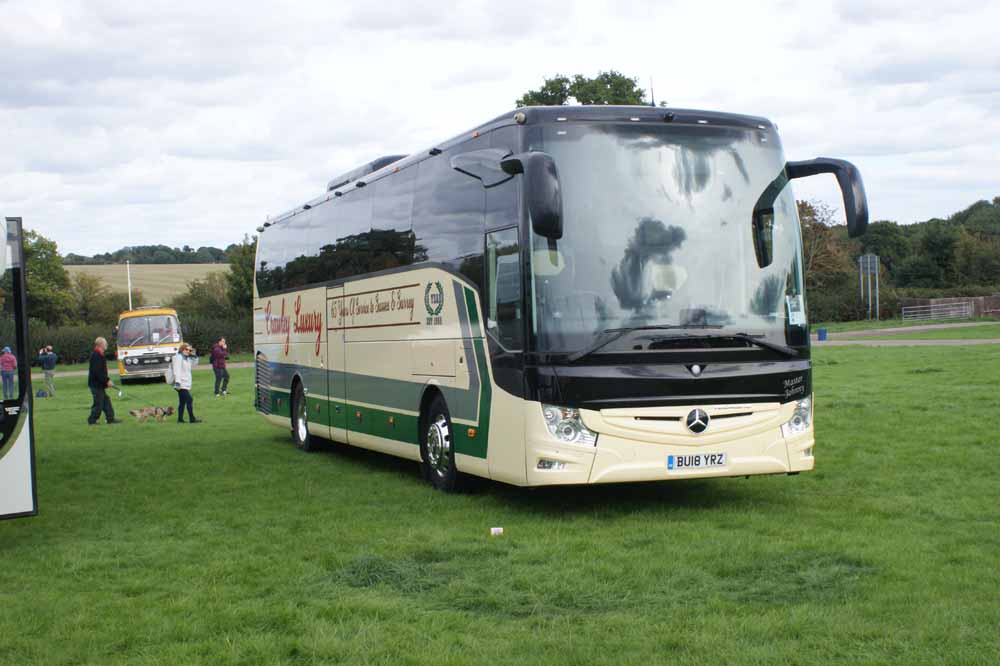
[113, 366]
[988, 331]
[864, 325]
[219, 543]
[159, 283]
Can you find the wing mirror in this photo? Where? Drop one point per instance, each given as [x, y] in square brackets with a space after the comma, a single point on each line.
[851, 186]
[542, 192]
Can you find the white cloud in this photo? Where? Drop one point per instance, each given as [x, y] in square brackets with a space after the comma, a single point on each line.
[190, 122]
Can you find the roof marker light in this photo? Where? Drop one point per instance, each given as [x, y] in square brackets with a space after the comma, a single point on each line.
[306, 206]
[634, 119]
[435, 151]
[668, 116]
[520, 118]
[475, 134]
[360, 183]
[561, 119]
[763, 127]
[338, 193]
[702, 122]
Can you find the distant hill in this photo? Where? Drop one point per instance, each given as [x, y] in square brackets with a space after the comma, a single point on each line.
[159, 283]
[151, 254]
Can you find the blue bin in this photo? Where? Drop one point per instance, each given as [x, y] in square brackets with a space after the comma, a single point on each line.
[821, 334]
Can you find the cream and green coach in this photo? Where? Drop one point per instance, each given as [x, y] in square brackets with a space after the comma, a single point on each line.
[562, 295]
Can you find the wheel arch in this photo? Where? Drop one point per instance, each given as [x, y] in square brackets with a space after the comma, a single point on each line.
[430, 392]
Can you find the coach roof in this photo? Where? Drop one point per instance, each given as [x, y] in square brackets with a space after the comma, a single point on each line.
[530, 115]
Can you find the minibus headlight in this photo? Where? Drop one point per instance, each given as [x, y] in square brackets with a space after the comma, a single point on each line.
[565, 424]
[801, 418]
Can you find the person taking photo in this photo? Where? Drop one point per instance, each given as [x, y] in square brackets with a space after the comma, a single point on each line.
[220, 352]
[48, 359]
[184, 360]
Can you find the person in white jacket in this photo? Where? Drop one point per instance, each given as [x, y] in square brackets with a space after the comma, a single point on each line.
[180, 366]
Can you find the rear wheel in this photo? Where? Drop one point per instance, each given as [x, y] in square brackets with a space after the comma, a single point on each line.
[437, 452]
[300, 419]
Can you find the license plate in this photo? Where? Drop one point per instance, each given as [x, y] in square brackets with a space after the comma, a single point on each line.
[695, 461]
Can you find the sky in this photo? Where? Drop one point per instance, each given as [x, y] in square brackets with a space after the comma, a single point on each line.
[188, 123]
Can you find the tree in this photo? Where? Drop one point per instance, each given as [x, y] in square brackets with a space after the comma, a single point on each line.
[609, 87]
[89, 295]
[205, 298]
[920, 271]
[887, 240]
[554, 92]
[823, 257]
[46, 280]
[239, 279]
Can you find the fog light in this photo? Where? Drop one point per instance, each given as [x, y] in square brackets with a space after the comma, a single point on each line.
[801, 418]
[545, 463]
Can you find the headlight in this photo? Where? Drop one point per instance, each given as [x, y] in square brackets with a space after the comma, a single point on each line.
[801, 418]
[564, 424]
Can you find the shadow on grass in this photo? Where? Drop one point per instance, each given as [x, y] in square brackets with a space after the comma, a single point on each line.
[617, 498]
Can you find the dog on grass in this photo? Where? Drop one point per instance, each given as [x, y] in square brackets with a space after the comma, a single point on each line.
[146, 413]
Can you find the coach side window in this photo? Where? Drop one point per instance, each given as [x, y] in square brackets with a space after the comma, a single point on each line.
[448, 213]
[392, 239]
[503, 281]
[272, 257]
[502, 199]
[347, 242]
[301, 249]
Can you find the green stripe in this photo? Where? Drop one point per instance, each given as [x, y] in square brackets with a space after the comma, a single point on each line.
[477, 446]
[375, 421]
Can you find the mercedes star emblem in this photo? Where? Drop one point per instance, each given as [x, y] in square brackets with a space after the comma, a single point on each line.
[697, 421]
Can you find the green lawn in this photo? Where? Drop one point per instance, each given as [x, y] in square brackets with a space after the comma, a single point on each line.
[865, 325]
[113, 368]
[220, 543]
[989, 331]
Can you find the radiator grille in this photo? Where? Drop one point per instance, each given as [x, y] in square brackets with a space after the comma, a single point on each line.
[262, 384]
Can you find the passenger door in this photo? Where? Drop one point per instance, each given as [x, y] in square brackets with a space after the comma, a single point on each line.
[336, 416]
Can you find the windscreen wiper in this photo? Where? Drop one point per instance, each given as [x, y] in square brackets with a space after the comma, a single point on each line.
[609, 335]
[752, 339]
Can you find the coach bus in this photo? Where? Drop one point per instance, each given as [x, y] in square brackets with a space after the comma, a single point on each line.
[17, 435]
[562, 295]
[148, 338]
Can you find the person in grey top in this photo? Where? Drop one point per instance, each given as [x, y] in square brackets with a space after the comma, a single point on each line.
[181, 366]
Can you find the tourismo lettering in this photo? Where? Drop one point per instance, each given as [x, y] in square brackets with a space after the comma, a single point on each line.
[277, 325]
[309, 322]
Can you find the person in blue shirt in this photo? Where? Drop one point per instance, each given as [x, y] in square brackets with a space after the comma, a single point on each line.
[48, 359]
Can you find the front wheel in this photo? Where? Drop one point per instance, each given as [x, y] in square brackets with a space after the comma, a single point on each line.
[437, 452]
[300, 419]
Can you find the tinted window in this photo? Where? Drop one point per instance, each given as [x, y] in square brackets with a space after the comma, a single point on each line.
[503, 261]
[502, 199]
[299, 239]
[391, 241]
[448, 213]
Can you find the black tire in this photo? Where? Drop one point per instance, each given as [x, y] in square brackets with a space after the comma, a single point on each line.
[437, 453]
[300, 419]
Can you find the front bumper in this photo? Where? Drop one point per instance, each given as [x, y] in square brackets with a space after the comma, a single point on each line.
[142, 370]
[634, 444]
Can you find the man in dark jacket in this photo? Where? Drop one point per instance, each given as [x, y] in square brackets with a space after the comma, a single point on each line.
[99, 382]
[47, 359]
[220, 352]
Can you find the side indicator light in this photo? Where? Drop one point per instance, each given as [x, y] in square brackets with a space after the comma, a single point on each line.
[471, 432]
